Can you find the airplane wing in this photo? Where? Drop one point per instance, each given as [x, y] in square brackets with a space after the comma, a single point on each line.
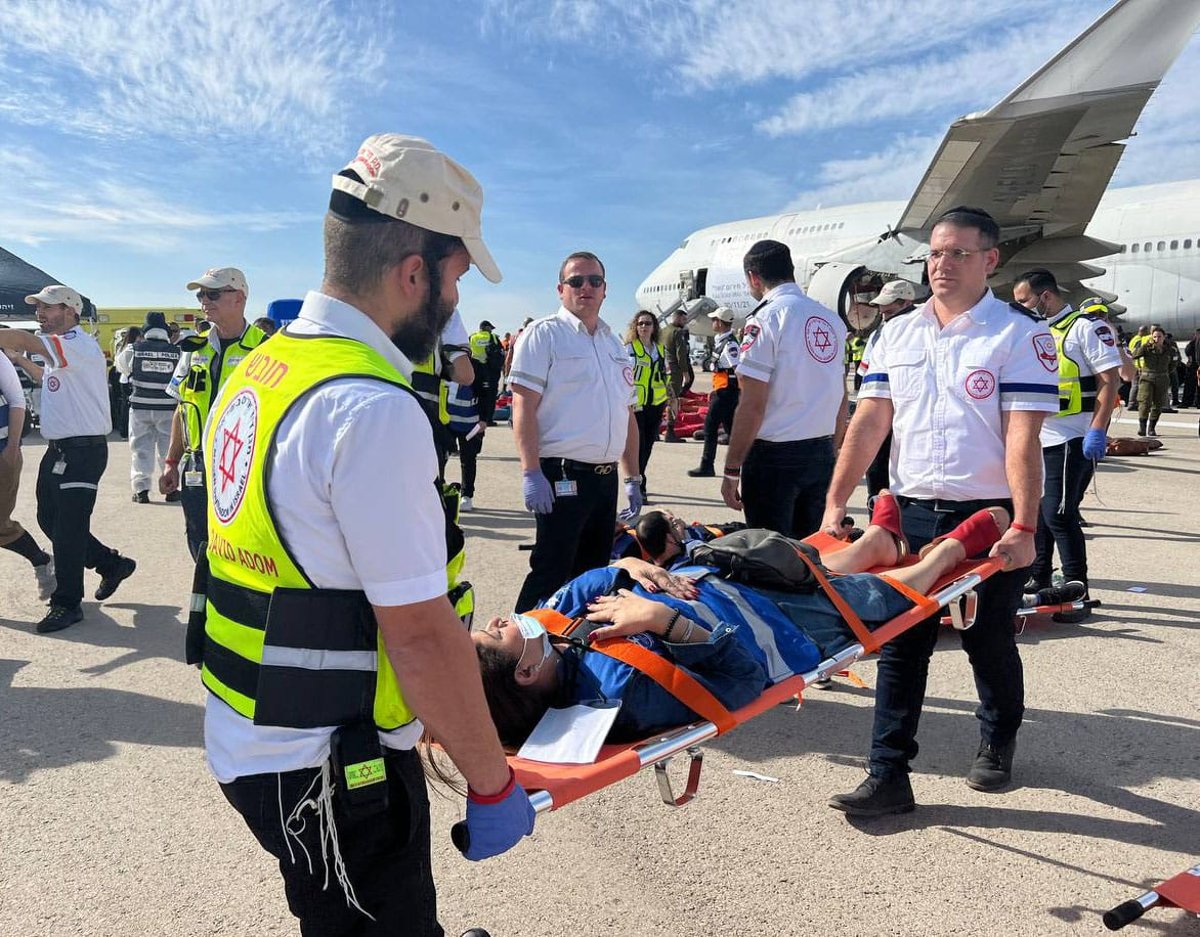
[1040, 160]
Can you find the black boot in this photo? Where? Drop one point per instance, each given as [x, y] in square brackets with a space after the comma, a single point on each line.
[992, 769]
[1141, 427]
[876, 797]
[705, 470]
[1153, 431]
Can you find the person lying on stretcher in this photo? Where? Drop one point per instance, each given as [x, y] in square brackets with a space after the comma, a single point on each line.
[735, 640]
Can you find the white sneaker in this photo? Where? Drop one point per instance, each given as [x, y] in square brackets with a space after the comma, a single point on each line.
[465, 504]
[46, 581]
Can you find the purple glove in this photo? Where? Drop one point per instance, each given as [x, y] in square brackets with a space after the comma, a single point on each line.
[633, 491]
[536, 488]
[494, 824]
[1095, 445]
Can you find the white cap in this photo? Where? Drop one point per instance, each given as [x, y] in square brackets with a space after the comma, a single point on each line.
[724, 313]
[893, 291]
[221, 278]
[54, 294]
[407, 178]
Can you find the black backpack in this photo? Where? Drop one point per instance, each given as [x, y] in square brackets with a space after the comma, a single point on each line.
[763, 558]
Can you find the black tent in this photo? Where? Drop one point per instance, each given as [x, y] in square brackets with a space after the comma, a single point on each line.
[19, 279]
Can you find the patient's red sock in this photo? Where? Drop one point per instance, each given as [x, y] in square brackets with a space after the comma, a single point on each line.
[977, 533]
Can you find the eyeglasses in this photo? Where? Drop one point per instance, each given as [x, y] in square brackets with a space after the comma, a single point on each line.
[212, 295]
[593, 280]
[645, 324]
[958, 255]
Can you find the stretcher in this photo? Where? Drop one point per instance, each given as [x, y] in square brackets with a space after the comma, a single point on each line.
[551, 786]
[1182, 891]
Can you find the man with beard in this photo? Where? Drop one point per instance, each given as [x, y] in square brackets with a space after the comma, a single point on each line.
[328, 636]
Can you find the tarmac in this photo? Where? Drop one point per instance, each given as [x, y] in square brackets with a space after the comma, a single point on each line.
[111, 824]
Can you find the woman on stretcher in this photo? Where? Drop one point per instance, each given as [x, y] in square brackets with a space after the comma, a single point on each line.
[734, 639]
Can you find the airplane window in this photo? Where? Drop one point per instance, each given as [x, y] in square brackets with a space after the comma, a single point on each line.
[1134, 249]
[1162, 245]
[1187, 245]
[1174, 245]
[1123, 248]
[1146, 246]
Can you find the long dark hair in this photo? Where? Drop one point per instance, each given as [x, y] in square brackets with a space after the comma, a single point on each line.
[515, 709]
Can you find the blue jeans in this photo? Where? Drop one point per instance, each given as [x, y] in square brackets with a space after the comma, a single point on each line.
[1068, 473]
[784, 485]
[990, 645]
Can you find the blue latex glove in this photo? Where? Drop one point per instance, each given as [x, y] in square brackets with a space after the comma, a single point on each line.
[539, 498]
[1095, 444]
[633, 491]
[495, 824]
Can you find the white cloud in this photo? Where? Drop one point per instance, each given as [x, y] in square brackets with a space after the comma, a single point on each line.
[890, 172]
[208, 72]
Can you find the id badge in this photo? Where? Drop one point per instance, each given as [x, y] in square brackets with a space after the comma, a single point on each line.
[565, 488]
[193, 479]
[59, 467]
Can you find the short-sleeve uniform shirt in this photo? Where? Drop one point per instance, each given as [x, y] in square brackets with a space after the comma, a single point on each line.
[586, 383]
[1091, 343]
[74, 386]
[794, 344]
[949, 387]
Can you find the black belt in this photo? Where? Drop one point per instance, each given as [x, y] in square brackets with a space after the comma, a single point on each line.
[946, 506]
[595, 468]
[79, 442]
[767, 443]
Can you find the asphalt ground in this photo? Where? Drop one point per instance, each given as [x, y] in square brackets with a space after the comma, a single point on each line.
[111, 824]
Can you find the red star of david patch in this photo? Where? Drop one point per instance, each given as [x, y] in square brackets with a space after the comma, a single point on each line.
[231, 448]
[819, 337]
[981, 384]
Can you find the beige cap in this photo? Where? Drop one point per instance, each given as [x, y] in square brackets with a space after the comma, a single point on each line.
[724, 313]
[407, 178]
[54, 294]
[221, 278]
[893, 291]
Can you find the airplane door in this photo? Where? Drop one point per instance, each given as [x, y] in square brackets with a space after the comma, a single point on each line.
[701, 281]
[831, 284]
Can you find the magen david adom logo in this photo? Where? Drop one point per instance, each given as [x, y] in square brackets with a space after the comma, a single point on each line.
[233, 450]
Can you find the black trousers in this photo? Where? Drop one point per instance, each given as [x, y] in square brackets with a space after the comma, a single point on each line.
[577, 535]
[64, 513]
[194, 500]
[784, 484]
[1067, 473]
[721, 406]
[649, 420]
[386, 854]
[468, 458]
[485, 390]
[879, 471]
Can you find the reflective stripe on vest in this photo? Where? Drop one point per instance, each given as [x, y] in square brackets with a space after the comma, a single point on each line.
[429, 387]
[1076, 391]
[462, 409]
[153, 366]
[254, 635]
[649, 377]
[200, 385]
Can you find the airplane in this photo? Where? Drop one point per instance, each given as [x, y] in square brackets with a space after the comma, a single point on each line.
[1039, 162]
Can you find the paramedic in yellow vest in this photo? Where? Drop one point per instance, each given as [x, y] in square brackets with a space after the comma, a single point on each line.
[1075, 438]
[1135, 344]
[649, 357]
[487, 355]
[723, 401]
[324, 485]
[206, 361]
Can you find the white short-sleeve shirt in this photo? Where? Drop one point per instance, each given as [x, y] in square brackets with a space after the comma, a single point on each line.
[1092, 344]
[74, 386]
[13, 397]
[455, 334]
[586, 383]
[949, 386]
[353, 490]
[794, 344]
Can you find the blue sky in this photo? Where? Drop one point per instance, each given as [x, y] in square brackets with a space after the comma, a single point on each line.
[142, 142]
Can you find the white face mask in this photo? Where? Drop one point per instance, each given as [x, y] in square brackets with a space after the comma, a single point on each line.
[532, 629]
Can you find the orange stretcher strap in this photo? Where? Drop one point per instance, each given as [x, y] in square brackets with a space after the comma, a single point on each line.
[675, 680]
[919, 599]
[852, 620]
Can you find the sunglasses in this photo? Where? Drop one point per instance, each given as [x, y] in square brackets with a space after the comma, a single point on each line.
[592, 279]
[645, 324]
[212, 295]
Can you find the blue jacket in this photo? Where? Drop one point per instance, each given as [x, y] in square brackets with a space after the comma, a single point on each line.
[753, 645]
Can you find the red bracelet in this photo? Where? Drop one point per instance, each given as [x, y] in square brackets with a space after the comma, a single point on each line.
[494, 798]
[1023, 528]
[171, 462]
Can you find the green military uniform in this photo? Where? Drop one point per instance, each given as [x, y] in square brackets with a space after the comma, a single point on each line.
[1154, 365]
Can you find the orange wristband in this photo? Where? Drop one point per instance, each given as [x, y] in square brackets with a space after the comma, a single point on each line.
[1023, 528]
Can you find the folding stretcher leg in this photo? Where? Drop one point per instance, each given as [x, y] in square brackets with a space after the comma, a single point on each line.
[695, 763]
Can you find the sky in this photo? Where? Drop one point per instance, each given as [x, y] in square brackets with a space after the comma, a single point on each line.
[144, 142]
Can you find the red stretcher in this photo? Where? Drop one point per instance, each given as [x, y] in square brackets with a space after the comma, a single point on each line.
[551, 786]
[1182, 891]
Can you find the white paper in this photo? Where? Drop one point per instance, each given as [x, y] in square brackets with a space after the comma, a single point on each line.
[1137, 589]
[754, 775]
[571, 736]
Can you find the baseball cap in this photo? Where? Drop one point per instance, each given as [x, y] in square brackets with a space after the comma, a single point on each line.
[54, 294]
[724, 313]
[221, 278]
[1094, 306]
[893, 291]
[486, 326]
[408, 178]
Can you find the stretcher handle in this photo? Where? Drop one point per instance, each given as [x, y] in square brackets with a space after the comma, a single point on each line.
[1129, 911]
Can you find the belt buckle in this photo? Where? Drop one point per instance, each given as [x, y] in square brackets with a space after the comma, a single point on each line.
[605, 469]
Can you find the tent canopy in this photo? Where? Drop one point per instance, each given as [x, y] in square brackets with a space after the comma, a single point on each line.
[19, 279]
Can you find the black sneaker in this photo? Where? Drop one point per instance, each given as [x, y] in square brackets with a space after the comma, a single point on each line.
[1068, 592]
[1035, 585]
[703, 471]
[876, 797]
[141, 497]
[992, 769]
[58, 618]
[108, 584]
[173, 497]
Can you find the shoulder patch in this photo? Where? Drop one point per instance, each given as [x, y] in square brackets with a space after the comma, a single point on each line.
[1027, 313]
